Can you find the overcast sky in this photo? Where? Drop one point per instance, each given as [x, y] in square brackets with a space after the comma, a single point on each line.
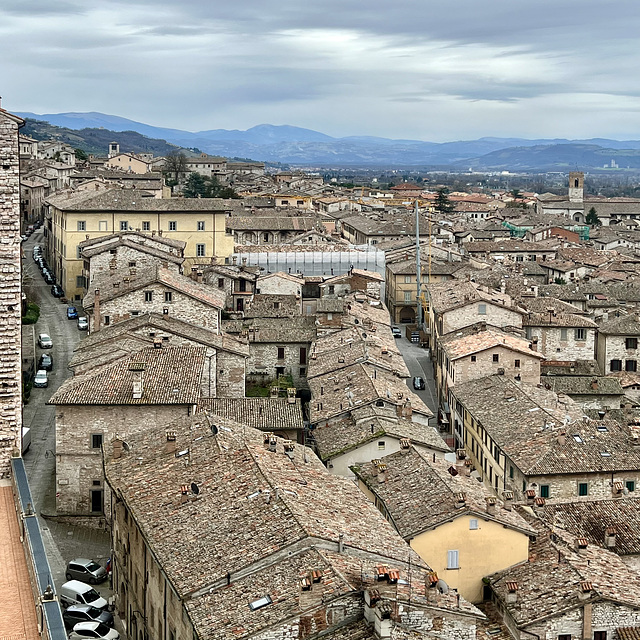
[420, 69]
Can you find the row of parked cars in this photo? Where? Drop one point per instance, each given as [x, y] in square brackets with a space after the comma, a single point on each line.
[85, 610]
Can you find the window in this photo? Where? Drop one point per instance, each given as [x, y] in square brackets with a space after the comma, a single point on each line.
[332, 289]
[168, 296]
[220, 283]
[473, 524]
[511, 472]
[82, 225]
[564, 636]
[148, 296]
[631, 365]
[107, 321]
[631, 343]
[303, 371]
[303, 355]
[580, 334]
[615, 365]
[201, 250]
[452, 560]
[407, 279]
[261, 602]
[544, 490]
[280, 353]
[102, 225]
[496, 357]
[200, 225]
[279, 371]
[473, 358]
[482, 309]
[407, 296]
[599, 635]
[631, 485]
[564, 335]
[132, 263]
[124, 225]
[146, 226]
[381, 445]
[96, 440]
[583, 489]
[276, 305]
[516, 364]
[173, 226]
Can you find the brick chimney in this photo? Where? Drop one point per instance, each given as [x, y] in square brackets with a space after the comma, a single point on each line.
[171, 443]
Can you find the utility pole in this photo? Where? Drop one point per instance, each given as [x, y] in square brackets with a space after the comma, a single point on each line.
[418, 273]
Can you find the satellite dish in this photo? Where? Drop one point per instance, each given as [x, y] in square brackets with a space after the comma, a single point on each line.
[195, 489]
[442, 586]
[214, 429]
[125, 446]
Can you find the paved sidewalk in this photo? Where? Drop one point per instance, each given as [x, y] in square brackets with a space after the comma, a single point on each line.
[17, 608]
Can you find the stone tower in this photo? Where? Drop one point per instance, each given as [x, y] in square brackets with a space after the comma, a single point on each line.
[10, 292]
[576, 186]
[114, 149]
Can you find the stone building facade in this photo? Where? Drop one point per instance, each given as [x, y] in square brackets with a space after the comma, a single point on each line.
[617, 347]
[564, 336]
[10, 291]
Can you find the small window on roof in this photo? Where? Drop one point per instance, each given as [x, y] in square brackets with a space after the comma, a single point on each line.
[259, 603]
[602, 428]
[577, 438]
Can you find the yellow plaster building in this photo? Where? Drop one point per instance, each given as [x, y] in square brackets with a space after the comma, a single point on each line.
[456, 526]
[73, 217]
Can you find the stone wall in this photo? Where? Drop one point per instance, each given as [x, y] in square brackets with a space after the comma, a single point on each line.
[470, 314]
[552, 346]
[133, 303]
[79, 467]
[10, 292]
[614, 348]
[263, 362]
[106, 264]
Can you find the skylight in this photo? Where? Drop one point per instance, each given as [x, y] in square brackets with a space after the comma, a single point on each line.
[602, 428]
[259, 603]
[577, 438]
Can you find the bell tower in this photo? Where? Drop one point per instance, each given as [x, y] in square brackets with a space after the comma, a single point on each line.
[576, 186]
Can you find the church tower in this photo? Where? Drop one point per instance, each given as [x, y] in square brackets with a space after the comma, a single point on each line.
[114, 149]
[576, 186]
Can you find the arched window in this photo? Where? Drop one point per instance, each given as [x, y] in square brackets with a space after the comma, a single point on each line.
[576, 183]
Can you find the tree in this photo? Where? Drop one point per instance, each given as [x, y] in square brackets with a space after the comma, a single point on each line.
[195, 186]
[175, 166]
[442, 203]
[81, 155]
[592, 218]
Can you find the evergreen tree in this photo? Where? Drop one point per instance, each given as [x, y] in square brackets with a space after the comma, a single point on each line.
[592, 218]
[442, 203]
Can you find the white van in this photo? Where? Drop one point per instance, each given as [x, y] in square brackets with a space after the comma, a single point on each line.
[76, 592]
[26, 439]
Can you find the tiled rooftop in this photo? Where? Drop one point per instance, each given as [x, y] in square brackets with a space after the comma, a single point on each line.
[420, 493]
[266, 414]
[458, 346]
[170, 375]
[446, 296]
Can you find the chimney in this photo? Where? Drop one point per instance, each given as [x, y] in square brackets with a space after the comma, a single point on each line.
[594, 384]
[405, 445]
[562, 438]
[96, 310]
[116, 445]
[157, 343]
[581, 545]
[194, 273]
[340, 543]
[610, 537]
[234, 259]
[491, 505]
[538, 503]
[138, 384]
[171, 444]
[585, 590]
[534, 344]
[382, 473]
[199, 277]
[508, 500]
[530, 494]
[512, 592]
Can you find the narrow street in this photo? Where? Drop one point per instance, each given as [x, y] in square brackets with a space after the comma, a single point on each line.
[63, 542]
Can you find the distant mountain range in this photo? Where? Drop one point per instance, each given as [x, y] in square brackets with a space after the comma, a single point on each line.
[295, 145]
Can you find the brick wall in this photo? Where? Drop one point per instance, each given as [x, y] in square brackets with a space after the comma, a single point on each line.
[10, 292]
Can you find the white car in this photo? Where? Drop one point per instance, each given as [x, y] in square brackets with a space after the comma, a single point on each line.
[41, 379]
[97, 630]
[83, 325]
[45, 341]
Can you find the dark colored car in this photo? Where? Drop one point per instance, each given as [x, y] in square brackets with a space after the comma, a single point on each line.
[45, 362]
[418, 383]
[56, 291]
[85, 613]
[72, 313]
[86, 570]
[396, 332]
[48, 276]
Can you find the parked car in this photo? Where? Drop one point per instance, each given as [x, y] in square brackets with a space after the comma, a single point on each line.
[94, 629]
[83, 323]
[44, 341]
[49, 278]
[45, 362]
[396, 332]
[37, 252]
[86, 613]
[72, 313]
[418, 383]
[76, 592]
[86, 570]
[56, 291]
[41, 379]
